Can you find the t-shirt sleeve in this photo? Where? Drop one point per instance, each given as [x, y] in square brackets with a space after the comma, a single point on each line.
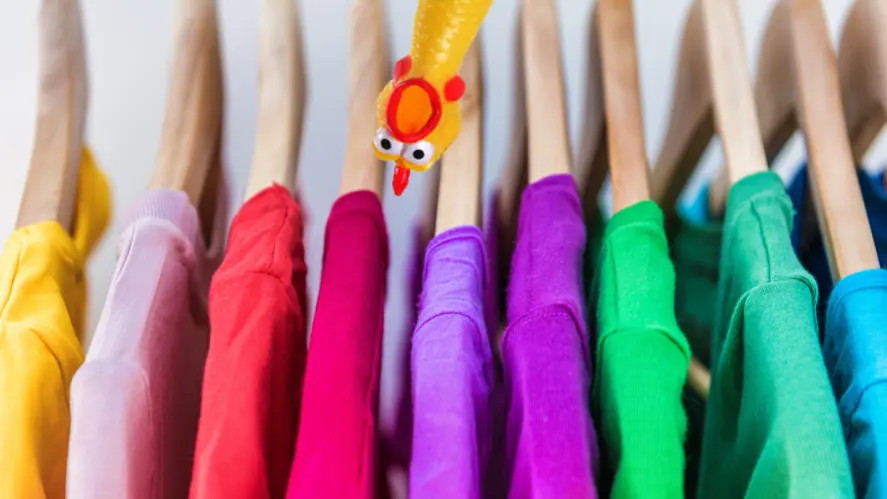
[550, 444]
[41, 287]
[642, 358]
[854, 350]
[767, 363]
[452, 371]
[336, 449]
[255, 364]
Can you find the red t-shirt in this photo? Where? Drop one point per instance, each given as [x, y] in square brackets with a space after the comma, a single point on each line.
[252, 385]
[336, 453]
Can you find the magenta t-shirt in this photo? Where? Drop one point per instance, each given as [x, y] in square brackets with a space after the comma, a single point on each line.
[336, 450]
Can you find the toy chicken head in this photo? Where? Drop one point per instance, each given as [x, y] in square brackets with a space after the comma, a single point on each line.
[419, 117]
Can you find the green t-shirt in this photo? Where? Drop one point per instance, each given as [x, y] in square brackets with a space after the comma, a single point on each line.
[642, 358]
[772, 427]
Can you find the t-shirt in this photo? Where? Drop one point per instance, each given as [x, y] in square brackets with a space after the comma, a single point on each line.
[550, 445]
[452, 371]
[772, 426]
[642, 358]
[252, 385]
[136, 400]
[696, 253]
[336, 451]
[42, 313]
[695, 242]
[855, 353]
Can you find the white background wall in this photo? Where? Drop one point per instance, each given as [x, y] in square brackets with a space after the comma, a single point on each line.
[128, 44]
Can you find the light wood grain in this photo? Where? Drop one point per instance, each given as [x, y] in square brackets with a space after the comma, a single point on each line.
[51, 183]
[699, 378]
[862, 68]
[514, 175]
[735, 118]
[629, 171]
[368, 72]
[459, 196]
[774, 100]
[691, 121]
[281, 98]
[192, 126]
[836, 194]
[548, 141]
[593, 161]
[713, 92]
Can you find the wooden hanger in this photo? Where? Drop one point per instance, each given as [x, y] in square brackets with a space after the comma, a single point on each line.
[547, 140]
[192, 126]
[712, 92]
[368, 72]
[281, 98]
[798, 85]
[459, 198]
[862, 68]
[51, 184]
[613, 138]
[514, 176]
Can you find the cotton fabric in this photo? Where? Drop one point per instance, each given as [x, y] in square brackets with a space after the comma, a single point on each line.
[695, 242]
[336, 451]
[452, 371]
[772, 426]
[254, 368]
[550, 446]
[136, 400]
[854, 352]
[43, 300]
[642, 358]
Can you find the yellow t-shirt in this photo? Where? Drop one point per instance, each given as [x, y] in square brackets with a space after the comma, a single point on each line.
[42, 312]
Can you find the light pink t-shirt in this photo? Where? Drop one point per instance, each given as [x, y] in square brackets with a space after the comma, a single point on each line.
[136, 400]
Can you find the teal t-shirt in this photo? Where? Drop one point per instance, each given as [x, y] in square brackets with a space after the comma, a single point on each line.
[772, 426]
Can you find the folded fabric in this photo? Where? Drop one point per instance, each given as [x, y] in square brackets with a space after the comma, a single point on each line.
[772, 426]
[336, 451]
[42, 312]
[252, 386]
[642, 358]
[695, 242]
[550, 446]
[855, 349]
[452, 371]
[136, 400]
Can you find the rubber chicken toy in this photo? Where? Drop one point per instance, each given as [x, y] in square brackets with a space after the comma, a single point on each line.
[418, 110]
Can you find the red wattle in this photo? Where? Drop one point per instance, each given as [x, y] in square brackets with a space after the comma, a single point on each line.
[400, 180]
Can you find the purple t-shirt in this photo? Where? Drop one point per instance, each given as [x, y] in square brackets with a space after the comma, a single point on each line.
[452, 371]
[550, 448]
[135, 402]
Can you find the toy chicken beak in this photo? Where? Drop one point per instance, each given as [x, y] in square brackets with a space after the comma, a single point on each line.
[401, 178]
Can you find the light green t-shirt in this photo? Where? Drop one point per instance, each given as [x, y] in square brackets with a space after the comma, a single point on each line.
[772, 427]
[642, 358]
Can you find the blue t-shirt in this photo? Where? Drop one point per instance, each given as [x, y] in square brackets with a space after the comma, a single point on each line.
[855, 352]
[853, 316]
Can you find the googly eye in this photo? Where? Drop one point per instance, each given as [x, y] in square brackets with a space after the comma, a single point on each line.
[419, 153]
[386, 144]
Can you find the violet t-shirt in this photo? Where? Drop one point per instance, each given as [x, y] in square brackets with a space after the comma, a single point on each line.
[550, 447]
[452, 371]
